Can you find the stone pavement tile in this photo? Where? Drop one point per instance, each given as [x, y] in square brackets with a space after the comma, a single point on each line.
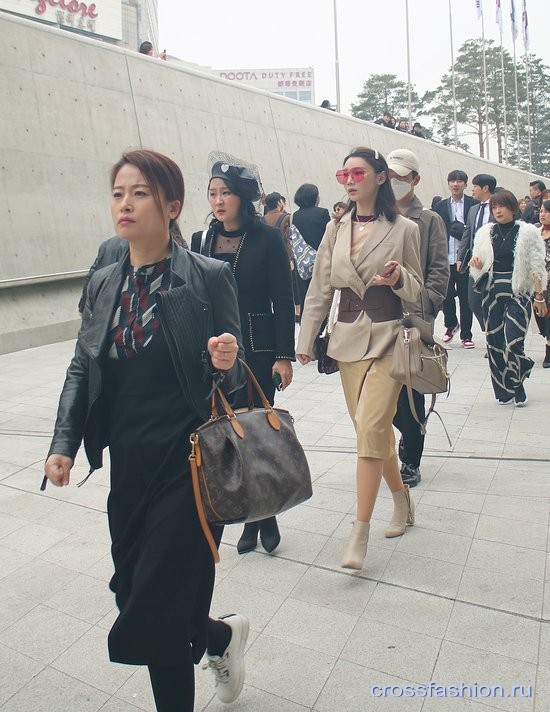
[522, 481]
[300, 545]
[392, 650]
[412, 610]
[107, 622]
[504, 559]
[116, 705]
[350, 689]
[544, 644]
[19, 504]
[16, 670]
[462, 501]
[33, 539]
[314, 627]
[457, 704]
[436, 545]
[542, 689]
[505, 592]
[137, 691]
[87, 660]
[252, 699]
[76, 519]
[509, 531]
[76, 551]
[429, 575]
[501, 633]
[525, 509]
[84, 597]
[445, 519]
[11, 560]
[486, 434]
[9, 524]
[311, 519]
[13, 607]
[471, 478]
[462, 664]
[330, 589]
[257, 604]
[331, 499]
[269, 573]
[43, 634]
[37, 580]
[287, 670]
[103, 569]
[546, 602]
[52, 690]
[374, 567]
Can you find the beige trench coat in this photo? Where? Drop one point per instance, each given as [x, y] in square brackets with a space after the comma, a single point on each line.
[363, 339]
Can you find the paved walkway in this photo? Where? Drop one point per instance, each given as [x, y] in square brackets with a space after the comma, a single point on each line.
[462, 598]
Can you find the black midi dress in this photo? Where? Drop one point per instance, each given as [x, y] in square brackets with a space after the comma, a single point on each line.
[164, 571]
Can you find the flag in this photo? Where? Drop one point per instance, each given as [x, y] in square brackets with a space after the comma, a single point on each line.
[499, 16]
[479, 9]
[525, 26]
[513, 19]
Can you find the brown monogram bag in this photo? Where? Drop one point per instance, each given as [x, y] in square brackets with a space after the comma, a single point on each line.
[246, 464]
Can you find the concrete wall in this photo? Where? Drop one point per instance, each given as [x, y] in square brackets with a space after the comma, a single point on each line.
[71, 106]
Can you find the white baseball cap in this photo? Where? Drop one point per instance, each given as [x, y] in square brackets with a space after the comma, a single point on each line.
[402, 161]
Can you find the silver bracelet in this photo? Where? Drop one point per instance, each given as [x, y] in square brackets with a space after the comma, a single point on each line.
[539, 301]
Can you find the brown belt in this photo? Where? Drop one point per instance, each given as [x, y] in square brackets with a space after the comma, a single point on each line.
[379, 304]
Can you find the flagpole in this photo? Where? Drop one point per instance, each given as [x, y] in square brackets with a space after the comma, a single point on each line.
[453, 71]
[504, 99]
[336, 58]
[527, 85]
[517, 101]
[485, 87]
[408, 64]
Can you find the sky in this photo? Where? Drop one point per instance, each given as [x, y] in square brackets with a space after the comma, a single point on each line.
[249, 34]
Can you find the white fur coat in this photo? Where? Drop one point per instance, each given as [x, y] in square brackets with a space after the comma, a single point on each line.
[529, 257]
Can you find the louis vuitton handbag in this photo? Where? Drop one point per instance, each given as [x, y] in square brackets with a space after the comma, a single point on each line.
[246, 464]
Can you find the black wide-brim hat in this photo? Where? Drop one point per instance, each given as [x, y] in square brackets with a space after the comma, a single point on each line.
[239, 178]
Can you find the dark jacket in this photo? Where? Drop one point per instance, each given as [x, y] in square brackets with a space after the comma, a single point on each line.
[202, 302]
[434, 260]
[266, 305]
[312, 223]
[110, 251]
[443, 208]
[532, 211]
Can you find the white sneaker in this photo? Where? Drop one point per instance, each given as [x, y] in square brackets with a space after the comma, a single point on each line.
[229, 667]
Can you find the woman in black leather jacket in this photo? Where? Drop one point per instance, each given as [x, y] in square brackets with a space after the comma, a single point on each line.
[259, 261]
[157, 327]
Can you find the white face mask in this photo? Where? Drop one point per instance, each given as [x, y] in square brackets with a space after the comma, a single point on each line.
[400, 188]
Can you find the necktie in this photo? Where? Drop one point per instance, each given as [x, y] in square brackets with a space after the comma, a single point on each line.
[480, 214]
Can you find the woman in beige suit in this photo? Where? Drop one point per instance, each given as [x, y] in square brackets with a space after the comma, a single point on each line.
[372, 257]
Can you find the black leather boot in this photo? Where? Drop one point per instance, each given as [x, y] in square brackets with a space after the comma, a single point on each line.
[249, 538]
[269, 534]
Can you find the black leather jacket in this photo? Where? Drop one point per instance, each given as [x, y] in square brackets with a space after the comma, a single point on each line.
[202, 302]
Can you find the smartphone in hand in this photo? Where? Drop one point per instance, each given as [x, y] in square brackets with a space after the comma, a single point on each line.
[391, 269]
[277, 381]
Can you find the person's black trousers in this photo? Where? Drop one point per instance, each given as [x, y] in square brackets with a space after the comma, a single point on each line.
[412, 445]
[458, 287]
[475, 301]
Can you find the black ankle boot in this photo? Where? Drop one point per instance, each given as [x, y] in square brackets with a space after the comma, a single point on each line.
[546, 362]
[249, 538]
[269, 534]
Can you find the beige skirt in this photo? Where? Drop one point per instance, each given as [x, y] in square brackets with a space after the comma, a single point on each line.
[371, 396]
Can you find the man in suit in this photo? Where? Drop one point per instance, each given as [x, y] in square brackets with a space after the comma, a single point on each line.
[483, 187]
[404, 173]
[454, 211]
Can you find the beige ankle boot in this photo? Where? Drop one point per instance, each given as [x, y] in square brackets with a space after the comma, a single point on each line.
[403, 512]
[356, 549]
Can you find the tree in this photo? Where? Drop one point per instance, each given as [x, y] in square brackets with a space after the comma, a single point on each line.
[384, 92]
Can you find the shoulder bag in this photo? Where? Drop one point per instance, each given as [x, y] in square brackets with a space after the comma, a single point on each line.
[304, 254]
[420, 362]
[247, 464]
[325, 363]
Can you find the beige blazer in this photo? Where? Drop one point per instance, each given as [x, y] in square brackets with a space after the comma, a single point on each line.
[363, 339]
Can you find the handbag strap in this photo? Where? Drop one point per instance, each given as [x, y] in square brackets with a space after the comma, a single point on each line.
[198, 500]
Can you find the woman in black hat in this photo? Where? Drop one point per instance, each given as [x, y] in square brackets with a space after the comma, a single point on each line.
[259, 262]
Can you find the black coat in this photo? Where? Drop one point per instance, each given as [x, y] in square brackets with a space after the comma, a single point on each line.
[312, 223]
[266, 304]
[202, 302]
[443, 208]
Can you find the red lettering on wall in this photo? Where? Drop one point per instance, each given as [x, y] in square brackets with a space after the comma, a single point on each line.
[72, 6]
